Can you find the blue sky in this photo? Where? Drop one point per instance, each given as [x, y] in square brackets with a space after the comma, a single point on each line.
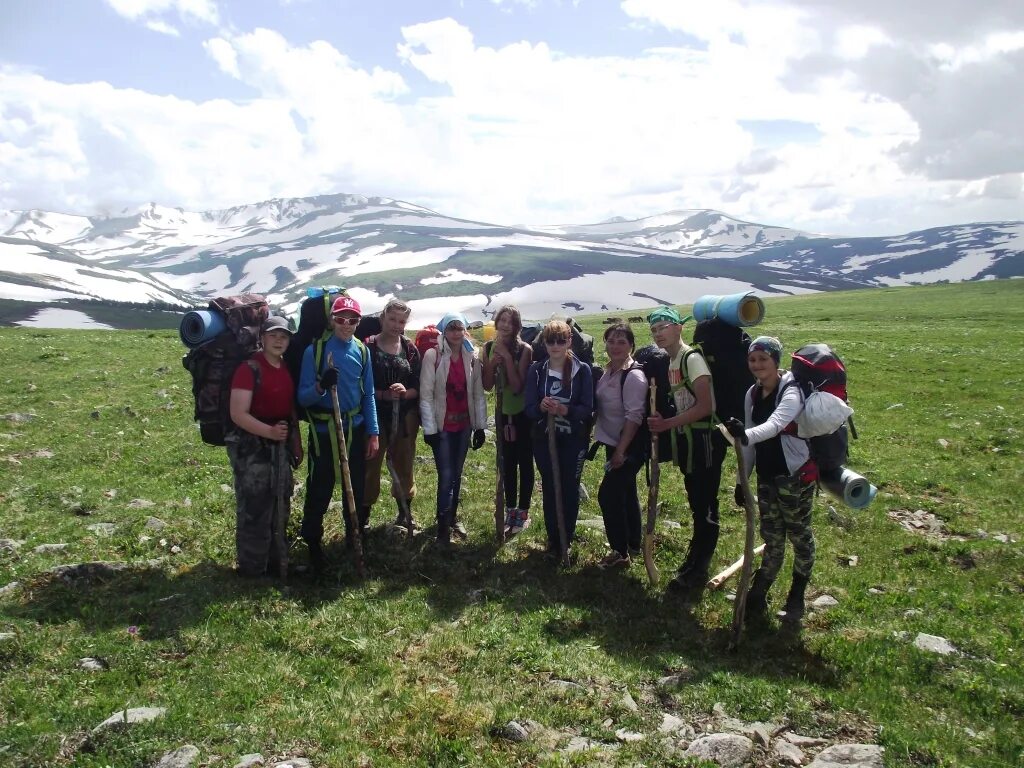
[834, 116]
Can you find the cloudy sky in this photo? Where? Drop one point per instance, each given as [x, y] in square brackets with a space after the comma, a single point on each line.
[834, 116]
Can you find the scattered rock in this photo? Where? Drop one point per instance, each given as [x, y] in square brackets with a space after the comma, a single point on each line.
[583, 744]
[182, 757]
[49, 549]
[9, 589]
[252, 760]
[919, 521]
[79, 509]
[6, 637]
[760, 733]
[226, 488]
[11, 545]
[670, 524]
[675, 681]
[788, 754]
[875, 591]
[673, 726]
[41, 453]
[935, 644]
[803, 741]
[293, 762]
[111, 493]
[849, 756]
[728, 750]
[102, 529]
[627, 736]
[18, 418]
[127, 717]
[1002, 538]
[628, 702]
[515, 731]
[823, 602]
[154, 524]
[141, 504]
[565, 685]
[943, 442]
[93, 664]
[912, 612]
[849, 560]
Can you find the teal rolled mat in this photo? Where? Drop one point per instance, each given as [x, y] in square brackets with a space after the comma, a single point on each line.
[850, 488]
[200, 326]
[739, 309]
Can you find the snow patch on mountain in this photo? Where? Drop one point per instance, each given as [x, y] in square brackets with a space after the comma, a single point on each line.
[453, 275]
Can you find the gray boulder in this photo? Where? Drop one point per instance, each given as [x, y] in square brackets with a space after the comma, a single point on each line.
[729, 750]
[182, 757]
[126, 717]
[849, 756]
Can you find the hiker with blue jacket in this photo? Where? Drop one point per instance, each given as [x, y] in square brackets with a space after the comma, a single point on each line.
[341, 361]
[621, 400]
[453, 410]
[698, 449]
[786, 476]
[561, 386]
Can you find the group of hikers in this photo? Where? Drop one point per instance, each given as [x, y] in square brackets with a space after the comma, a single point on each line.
[367, 401]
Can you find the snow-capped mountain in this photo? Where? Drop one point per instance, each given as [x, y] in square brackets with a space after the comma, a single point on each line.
[378, 248]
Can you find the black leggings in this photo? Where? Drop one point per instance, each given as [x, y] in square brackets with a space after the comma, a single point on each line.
[517, 462]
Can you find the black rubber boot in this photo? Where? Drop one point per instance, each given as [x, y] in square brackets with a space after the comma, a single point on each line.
[794, 607]
[757, 597]
[316, 559]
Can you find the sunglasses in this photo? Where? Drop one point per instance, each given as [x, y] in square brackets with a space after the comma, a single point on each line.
[346, 320]
[660, 328]
[556, 340]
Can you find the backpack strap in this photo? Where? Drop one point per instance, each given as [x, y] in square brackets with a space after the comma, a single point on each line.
[322, 416]
[705, 424]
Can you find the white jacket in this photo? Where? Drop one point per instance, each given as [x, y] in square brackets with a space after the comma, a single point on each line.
[789, 401]
[434, 389]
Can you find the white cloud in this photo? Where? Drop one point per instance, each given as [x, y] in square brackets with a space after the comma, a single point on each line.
[162, 27]
[199, 10]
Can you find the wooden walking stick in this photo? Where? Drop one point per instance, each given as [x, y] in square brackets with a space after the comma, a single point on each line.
[396, 481]
[346, 478]
[652, 498]
[279, 519]
[499, 452]
[556, 477]
[727, 573]
[740, 606]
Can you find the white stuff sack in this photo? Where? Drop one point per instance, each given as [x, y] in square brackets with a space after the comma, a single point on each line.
[823, 414]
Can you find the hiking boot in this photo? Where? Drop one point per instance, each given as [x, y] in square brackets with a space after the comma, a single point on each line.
[317, 561]
[689, 585]
[614, 560]
[458, 531]
[793, 610]
[364, 518]
[520, 521]
[757, 598]
[444, 529]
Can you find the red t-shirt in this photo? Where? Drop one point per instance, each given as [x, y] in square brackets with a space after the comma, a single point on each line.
[456, 412]
[274, 397]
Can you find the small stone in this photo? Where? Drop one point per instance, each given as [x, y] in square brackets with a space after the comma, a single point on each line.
[130, 716]
[823, 602]
[102, 529]
[515, 731]
[293, 762]
[11, 545]
[565, 685]
[729, 750]
[849, 560]
[911, 613]
[111, 493]
[226, 488]
[42, 453]
[788, 754]
[943, 442]
[798, 740]
[629, 703]
[760, 733]
[252, 760]
[849, 756]
[18, 418]
[9, 589]
[175, 550]
[1002, 538]
[673, 726]
[628, 736]
[94, 415]
[93, 664]
[583, 744]
[875, 591]
[154, 524]
[935, 644]
[49, 549]
[182, 757]
[671, 524]
[674, 681]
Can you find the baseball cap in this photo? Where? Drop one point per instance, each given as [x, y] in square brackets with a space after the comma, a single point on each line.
[276, 323]
[345, 304]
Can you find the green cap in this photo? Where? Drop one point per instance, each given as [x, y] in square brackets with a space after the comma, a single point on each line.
[664, 313]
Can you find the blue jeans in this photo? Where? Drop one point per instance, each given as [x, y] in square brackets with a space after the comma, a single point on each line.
[570, 450]
[449, 458]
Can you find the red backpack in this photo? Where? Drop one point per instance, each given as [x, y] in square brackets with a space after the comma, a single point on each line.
[427, 338]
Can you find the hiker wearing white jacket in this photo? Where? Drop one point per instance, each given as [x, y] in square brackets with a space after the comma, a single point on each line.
[786, 476]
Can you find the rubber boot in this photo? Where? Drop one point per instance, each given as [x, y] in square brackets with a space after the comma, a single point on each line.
[794, 607]
[757, 597]
[316, 559]
[444, 529]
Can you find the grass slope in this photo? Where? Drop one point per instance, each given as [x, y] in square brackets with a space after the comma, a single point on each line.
[420, 662]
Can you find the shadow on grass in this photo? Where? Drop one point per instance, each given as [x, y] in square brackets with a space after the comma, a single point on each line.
[614, 609]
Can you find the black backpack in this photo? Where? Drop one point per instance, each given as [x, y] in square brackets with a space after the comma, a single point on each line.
[213, 364]
[582, 343]
[816, 367]
[724, 348]
[654, 362]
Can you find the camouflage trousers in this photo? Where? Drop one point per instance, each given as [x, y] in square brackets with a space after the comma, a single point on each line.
[785, 508]
[258, 483]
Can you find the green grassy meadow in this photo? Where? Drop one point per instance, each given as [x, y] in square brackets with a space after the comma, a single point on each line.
[425, 660]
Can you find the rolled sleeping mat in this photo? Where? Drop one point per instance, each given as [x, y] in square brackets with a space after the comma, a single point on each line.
[850, 488]
[738, 309]
[200, 326]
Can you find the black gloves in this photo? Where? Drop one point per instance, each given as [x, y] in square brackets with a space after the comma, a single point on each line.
[738, 496]
[328, 379]
[736, 429]
[478, 439]
[433, 439]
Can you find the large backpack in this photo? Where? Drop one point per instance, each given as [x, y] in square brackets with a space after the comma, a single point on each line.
[314, 325]
[582, 344]
[654, 362]
[724, 348]
[426, 339]
[816, 367]
[213, 364]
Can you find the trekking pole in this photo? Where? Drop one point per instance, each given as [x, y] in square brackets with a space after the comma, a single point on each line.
[396, 482]
[499, 452]
[652, 499]
[740, 606]
[556, 477]
[346, 478]
[279, 520]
